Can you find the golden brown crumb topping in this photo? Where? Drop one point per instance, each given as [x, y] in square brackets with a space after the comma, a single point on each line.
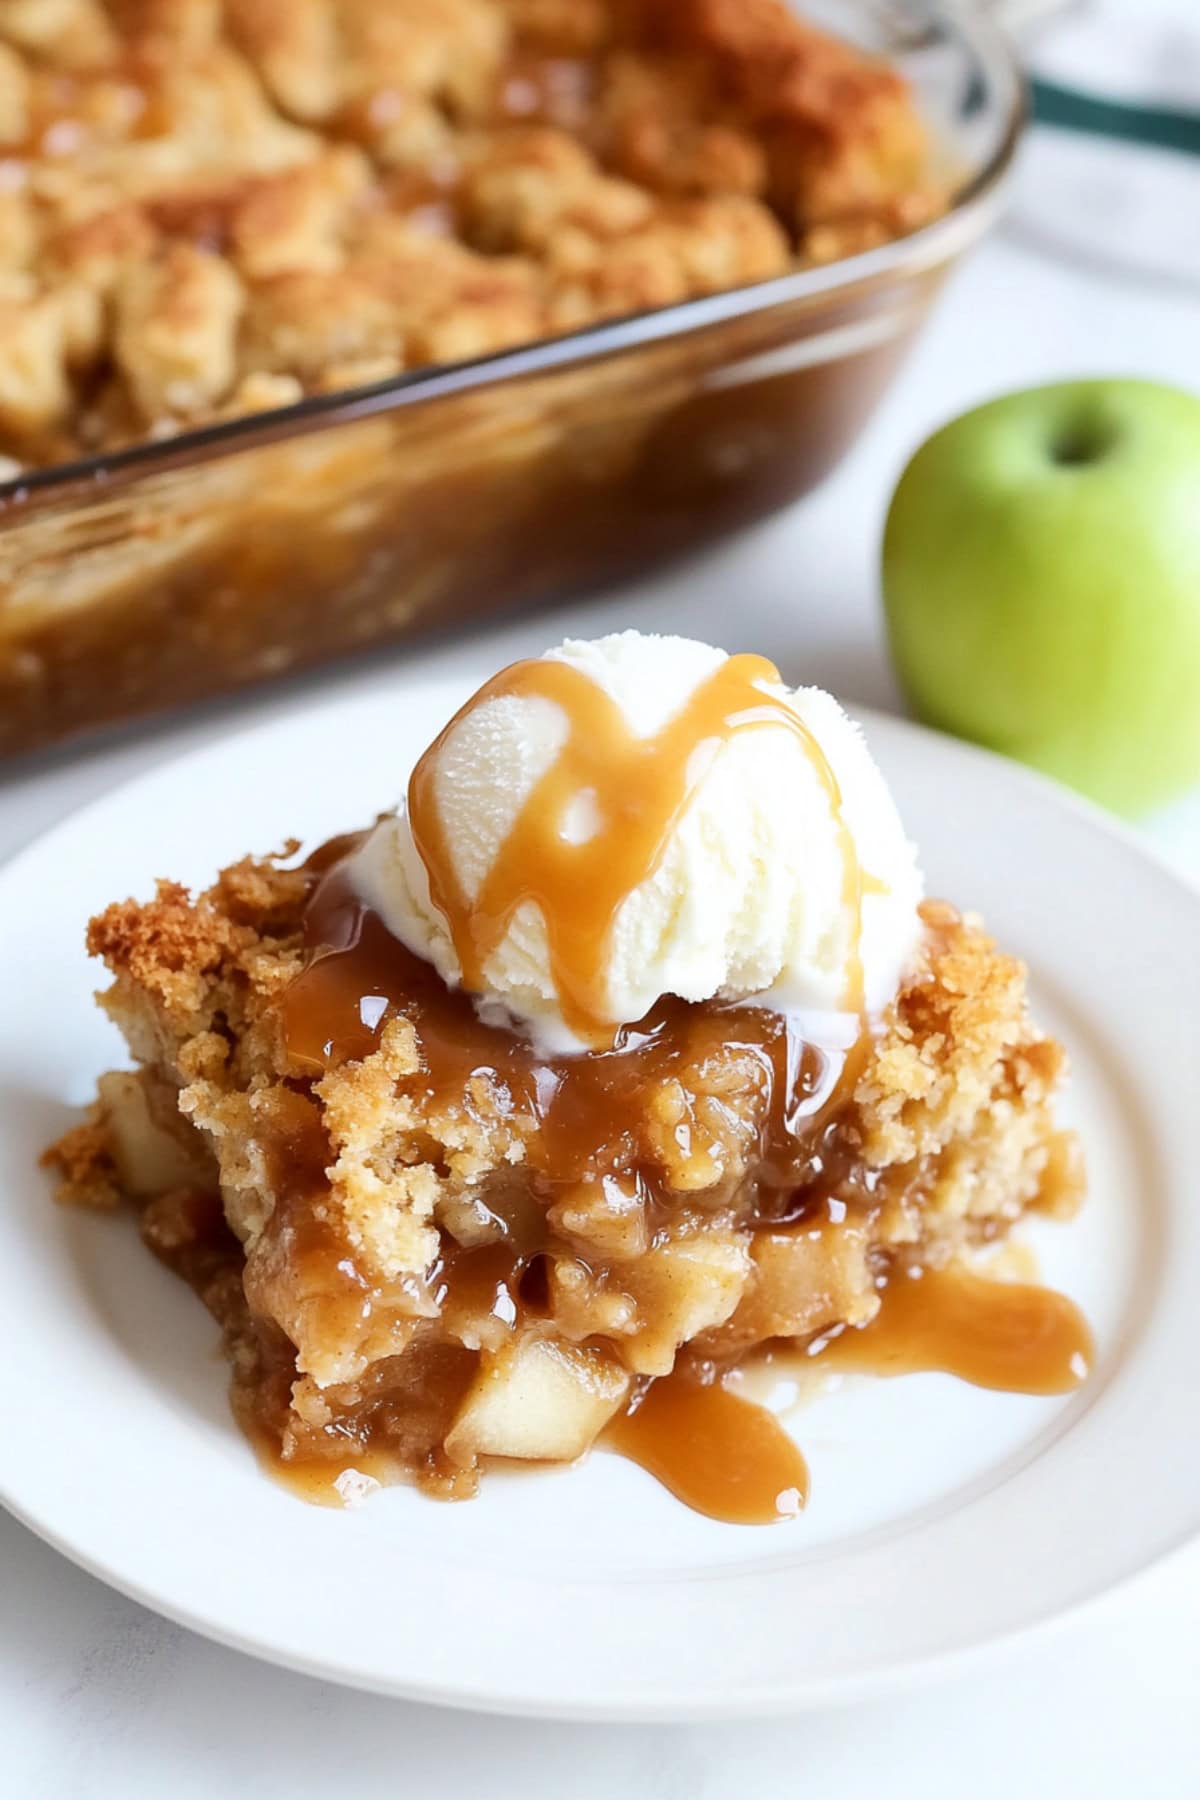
[367, 1186]
[211, 208]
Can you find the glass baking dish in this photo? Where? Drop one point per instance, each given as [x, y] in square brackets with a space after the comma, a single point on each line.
[157, 575]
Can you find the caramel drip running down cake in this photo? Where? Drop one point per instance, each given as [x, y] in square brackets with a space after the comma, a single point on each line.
[626, 1050]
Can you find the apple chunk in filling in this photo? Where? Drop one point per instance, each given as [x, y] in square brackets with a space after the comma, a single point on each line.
[537, 1401]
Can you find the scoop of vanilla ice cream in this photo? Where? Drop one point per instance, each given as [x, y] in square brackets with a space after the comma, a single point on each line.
[748, 900]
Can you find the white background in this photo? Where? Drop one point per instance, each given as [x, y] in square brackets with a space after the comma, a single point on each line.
[99, 1697]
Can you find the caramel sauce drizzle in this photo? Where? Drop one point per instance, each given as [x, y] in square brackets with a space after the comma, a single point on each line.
[721, 1455]
[1015, 1336]
[642, 787]
[359, 976]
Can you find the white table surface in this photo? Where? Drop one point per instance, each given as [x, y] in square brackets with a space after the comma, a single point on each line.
[100, 1697]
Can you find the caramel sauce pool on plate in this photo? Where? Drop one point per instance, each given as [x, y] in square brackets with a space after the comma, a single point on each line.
[1015, 1336]
[728, 1457]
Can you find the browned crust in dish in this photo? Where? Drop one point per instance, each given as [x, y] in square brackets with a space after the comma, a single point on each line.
[212, 209]
[351, 1270]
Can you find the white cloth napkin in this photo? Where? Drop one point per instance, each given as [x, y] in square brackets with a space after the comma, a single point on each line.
[1102, 198]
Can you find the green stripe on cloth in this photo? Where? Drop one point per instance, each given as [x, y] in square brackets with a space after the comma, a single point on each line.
[1068, 109]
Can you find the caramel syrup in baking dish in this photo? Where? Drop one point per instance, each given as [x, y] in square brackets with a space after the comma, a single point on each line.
[716, 1450]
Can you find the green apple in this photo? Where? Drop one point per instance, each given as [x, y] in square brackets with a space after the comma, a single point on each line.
[1041, 576]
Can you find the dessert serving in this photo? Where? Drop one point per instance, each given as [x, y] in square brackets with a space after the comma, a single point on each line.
[625, 1053]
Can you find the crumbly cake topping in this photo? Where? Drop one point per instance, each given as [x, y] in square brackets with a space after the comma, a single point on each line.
[948, 1132]
[208, 209]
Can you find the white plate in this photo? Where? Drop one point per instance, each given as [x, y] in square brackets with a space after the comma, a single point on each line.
[942, 1517]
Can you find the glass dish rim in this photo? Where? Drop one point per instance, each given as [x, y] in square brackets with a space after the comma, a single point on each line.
[27, 493]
